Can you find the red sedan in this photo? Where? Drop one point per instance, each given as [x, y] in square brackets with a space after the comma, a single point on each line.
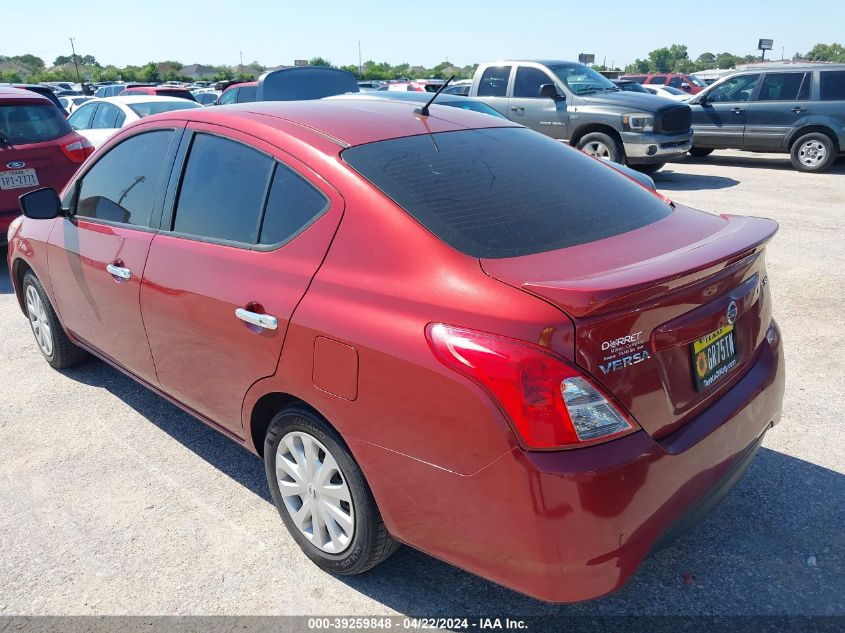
[444, 330]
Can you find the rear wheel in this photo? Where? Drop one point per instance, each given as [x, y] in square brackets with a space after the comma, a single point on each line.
[54, 344]
[649, 168]
[602, 146]
[813, 152]
[322, 496]
[700, 152]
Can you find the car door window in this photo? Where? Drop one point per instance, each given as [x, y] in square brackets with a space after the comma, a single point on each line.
[81, 119]
[222, 192]
[494, 82]
[121, 186]
[106, 117]
[832, 85]
[784, 87]
[676, 81]
[229, 96]
[293, 204]
[735, 89]
[658, 79]
[528, 82]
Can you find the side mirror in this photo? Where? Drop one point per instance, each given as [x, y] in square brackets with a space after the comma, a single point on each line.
[550, 91]
[684, 85]
[41, 204]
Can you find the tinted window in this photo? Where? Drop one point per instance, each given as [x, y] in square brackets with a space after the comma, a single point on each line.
[505, 192]
[297, 84]
[494, 82]
[246, 94]
[833, 85]
[782, 87]
[181, 94]
[206, 98]
[105, 117]
[292, 205]
[154, 107]
[658, 79]
[676, 81]
[222, 190]
[734, 89]
[638, 78]
[121, 186]
[229, 96]
[31, 123]
[528, 82]
[81, 118]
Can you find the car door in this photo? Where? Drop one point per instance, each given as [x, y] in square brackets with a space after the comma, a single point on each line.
[782, 101]
[493, 88]
[107, 120]
[526, 106]
[719, 121]
[80, 119]
[247, 231]
[97, 255]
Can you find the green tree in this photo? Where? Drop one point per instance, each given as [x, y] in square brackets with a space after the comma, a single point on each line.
[826, 53]
[88, 60]
[10, 77]
[705, 61]
[149, 73]
[726, 60]
[319, 61]
[61, 60]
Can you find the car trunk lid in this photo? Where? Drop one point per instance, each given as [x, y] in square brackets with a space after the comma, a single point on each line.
[640, 300]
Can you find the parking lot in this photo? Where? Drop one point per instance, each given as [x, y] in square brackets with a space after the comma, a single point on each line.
[116, 502]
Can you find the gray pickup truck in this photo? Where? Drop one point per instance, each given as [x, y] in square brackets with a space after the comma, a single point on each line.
[574, 103]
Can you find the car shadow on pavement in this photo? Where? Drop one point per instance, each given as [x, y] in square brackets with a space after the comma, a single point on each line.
[669, 180]
[760, 161]
[5, 280]
[774, 545]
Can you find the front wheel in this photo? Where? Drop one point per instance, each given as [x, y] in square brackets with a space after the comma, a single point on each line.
[813, 152]
[321, 494]
[54, 344]
[649, 168]
[601, 146]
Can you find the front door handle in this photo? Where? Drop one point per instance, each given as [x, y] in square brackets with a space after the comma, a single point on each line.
[798, 110]
[517, 108]
[737, 110]
[119, 271]
[268, 322]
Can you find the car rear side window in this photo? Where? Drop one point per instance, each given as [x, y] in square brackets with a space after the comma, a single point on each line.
[293, 204]
[832, 85]
[106, 117]
[24, 123]
[222, 191]
[505, 192]
[121, 186]
[784, 87]
[494, 82]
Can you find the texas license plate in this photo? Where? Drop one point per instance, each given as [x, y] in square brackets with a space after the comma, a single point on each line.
[713, 356]
[18, 178]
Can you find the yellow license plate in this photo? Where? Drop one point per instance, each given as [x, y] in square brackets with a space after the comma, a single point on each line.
[713, 356]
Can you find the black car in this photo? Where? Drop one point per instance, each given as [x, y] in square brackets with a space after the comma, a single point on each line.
[44, 91]
[788, 108]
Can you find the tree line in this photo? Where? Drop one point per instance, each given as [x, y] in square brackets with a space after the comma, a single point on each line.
[673, 58]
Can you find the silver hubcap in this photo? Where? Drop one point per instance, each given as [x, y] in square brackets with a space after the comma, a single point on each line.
[38, 321]
[812, 153]
[315, 492]
[597, 149]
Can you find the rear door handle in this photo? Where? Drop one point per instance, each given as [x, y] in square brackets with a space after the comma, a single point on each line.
[737, 110]
[517, 108]
[798, 110]
[119, 271]
[268, 322]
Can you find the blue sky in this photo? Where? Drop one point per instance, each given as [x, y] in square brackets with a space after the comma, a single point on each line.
[422, 32]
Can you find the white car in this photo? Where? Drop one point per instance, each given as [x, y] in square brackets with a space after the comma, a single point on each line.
[98, 119]
[667, 92]
[72, 103]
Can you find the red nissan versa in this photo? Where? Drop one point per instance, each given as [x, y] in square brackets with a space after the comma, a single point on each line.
[444, 330]
[38, 148]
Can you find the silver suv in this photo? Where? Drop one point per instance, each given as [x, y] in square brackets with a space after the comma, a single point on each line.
[799, 109]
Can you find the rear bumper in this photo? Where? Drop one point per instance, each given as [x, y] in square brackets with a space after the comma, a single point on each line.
[573, 525]
[655, 148]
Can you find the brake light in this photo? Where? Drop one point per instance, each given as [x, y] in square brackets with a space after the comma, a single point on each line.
[79, 150]
[549, 403]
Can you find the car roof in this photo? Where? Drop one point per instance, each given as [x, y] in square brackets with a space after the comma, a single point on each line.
[782, 67]
[343, 122]
[398, 95]
[130, 99]
[9, 92]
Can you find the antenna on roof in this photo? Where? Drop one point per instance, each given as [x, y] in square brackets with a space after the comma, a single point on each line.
[424, 109]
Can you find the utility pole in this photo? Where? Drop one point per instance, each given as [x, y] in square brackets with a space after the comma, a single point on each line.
[360, 65]
[242, 61]
[782, 48]
[78, 80]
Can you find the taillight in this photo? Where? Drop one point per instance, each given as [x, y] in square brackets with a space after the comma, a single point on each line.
[549, 403]
[79, 150]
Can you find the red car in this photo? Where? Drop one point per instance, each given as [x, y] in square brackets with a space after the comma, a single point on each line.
[244, 92]
[687, 83]
[438, 329]
[160, 91]
[38, 148]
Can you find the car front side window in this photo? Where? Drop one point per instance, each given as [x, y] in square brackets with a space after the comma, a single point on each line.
[81, 119]
[528, 82]
[736, 89]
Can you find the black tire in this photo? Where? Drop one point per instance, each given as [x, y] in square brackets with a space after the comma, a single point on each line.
[649, 168]
[64, 352]
[614, 150]
[700, 152]
[370, 543]
[819, 143]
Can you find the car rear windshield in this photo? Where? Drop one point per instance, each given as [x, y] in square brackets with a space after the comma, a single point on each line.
[31, 123]
[505, 192]
[155, 107]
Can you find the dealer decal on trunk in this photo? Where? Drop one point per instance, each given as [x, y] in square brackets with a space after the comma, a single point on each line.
[623, 352]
